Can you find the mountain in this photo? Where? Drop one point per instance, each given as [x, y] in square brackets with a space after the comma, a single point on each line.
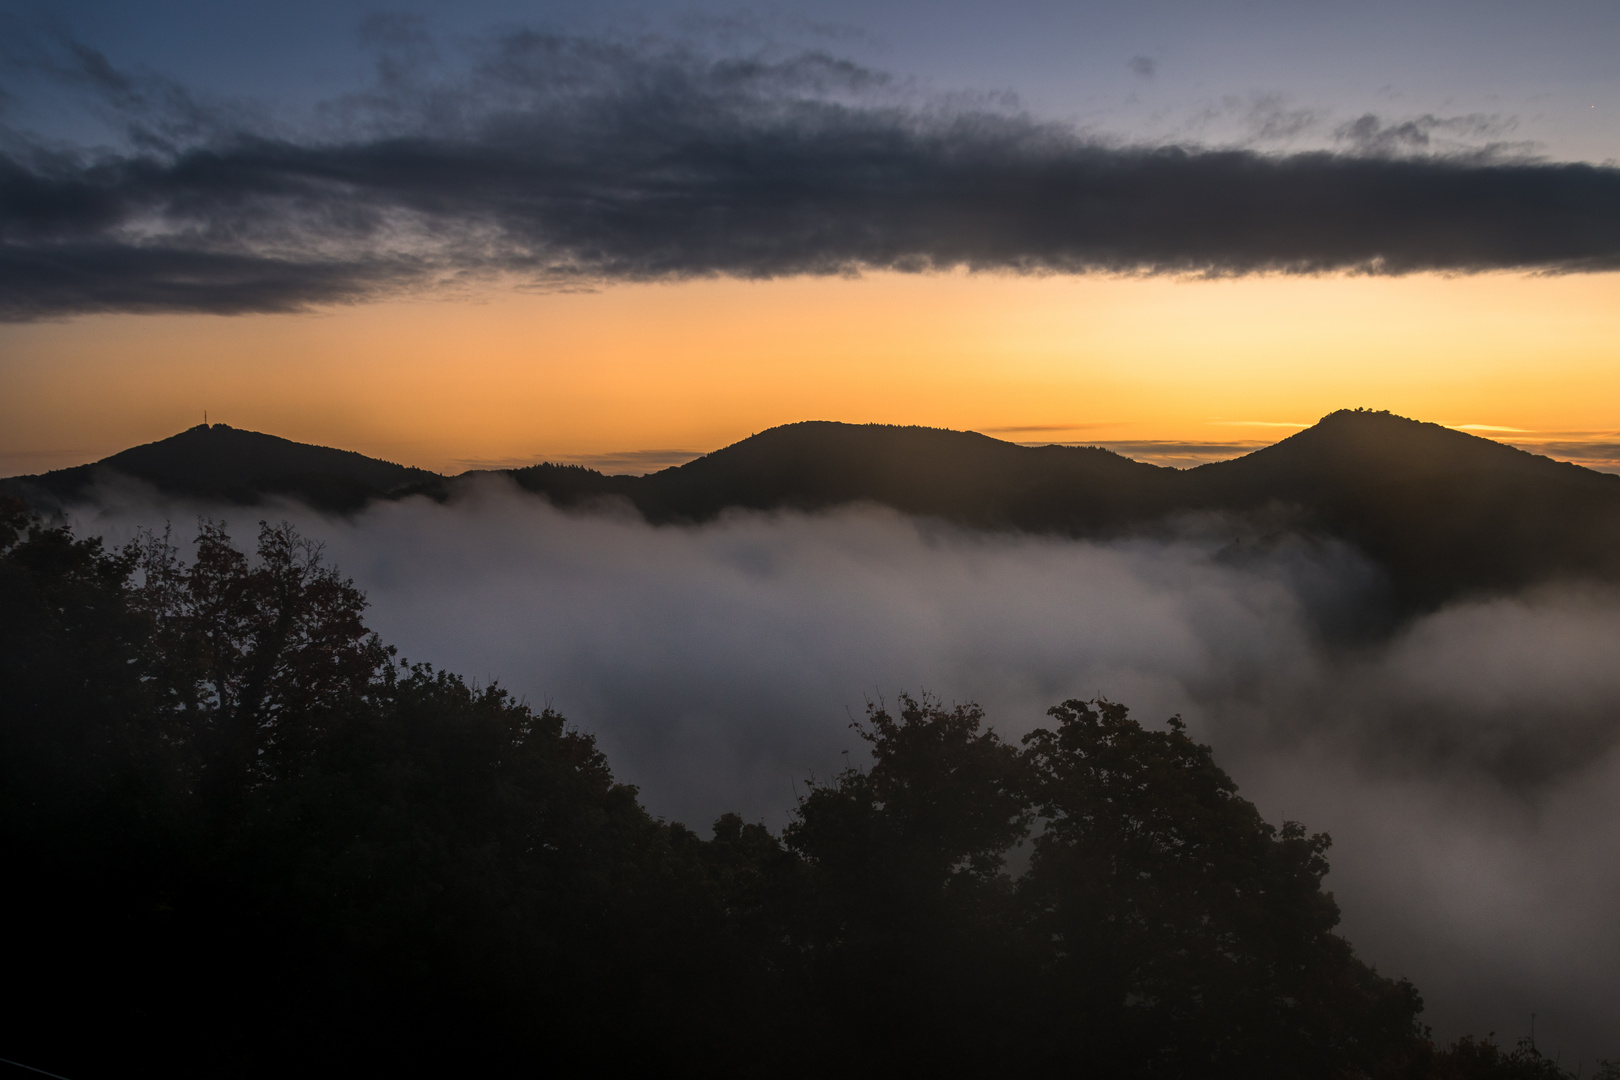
[960, 476]
[1443, 513]
[219, 462]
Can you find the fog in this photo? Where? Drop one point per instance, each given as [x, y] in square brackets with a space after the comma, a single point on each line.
[1465, 763]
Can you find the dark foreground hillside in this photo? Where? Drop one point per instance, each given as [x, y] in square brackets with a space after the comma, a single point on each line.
[242, 839]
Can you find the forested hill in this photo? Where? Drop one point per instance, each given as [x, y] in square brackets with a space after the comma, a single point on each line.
[1443, 512]
[216, 461]
[960, 476]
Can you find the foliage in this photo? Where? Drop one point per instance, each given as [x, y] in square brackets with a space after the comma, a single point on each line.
[1173, 906]
[242, 837]
[907, 908]
[1482, 1059]
[256, 659]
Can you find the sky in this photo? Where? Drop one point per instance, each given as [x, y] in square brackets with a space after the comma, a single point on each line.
[624, 234]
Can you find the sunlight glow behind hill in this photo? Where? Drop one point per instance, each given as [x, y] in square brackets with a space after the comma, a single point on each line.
[635, 377]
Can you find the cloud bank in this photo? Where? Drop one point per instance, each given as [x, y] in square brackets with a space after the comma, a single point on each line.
[1467, 767]
[567, 162]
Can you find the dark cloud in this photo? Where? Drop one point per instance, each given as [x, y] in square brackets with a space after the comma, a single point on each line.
[1480, 137]
[1143, 67]
[38, 280]
[565, 162]
[1271, 118]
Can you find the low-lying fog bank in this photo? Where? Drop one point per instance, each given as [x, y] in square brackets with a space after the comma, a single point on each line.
[1466, 767]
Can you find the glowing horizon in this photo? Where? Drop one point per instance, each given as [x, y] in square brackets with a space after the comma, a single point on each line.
[634, 375]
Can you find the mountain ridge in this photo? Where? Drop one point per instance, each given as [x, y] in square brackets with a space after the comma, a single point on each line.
[222, 463]
[1443, 512]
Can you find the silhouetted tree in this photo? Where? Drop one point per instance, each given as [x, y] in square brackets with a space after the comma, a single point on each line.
[1482, 1059]
[1189, 936]
[241, 839]
[243, 835]
[255, 657]
[909, 906]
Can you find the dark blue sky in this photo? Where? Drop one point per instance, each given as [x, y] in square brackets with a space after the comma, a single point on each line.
[1290, 75]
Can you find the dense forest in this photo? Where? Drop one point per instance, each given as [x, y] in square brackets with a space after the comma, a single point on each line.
[244, 838]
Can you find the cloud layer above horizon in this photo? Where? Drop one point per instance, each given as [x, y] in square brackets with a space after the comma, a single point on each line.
[564, 162]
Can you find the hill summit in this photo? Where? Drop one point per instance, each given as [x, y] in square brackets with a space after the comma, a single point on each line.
[219, 462]
[1444, 513]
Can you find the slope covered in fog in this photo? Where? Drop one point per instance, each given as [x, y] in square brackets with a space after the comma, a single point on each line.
[959, 476]
[1441, 512]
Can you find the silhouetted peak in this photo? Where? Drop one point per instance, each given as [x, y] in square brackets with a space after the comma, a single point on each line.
[910, 445]
[1373, 446]
[1381, 424]
[219, 461]
[1441, 511]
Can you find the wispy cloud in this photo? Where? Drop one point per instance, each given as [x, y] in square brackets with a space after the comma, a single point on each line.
[1263, 423]
[1166, 448]
[1596, 449]
[1600, 454]
[1180, 454]
[1030, 429]
[1480, 136]
[561, 162]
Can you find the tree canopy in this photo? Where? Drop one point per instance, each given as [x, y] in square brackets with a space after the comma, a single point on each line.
[242, 838]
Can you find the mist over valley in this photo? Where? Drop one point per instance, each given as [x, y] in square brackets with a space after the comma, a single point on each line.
[717, 631]
[811, 539]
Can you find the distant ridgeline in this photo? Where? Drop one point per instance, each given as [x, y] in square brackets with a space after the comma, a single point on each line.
[1444, 513]
[219, 462]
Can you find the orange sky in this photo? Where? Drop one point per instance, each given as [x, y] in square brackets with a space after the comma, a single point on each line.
[511, 377]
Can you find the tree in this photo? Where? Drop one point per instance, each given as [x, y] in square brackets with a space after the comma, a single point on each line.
[1189, 936]
[240, 837]
[254, 658]
[1482, 1059]
[74, 695]
[908, 903]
